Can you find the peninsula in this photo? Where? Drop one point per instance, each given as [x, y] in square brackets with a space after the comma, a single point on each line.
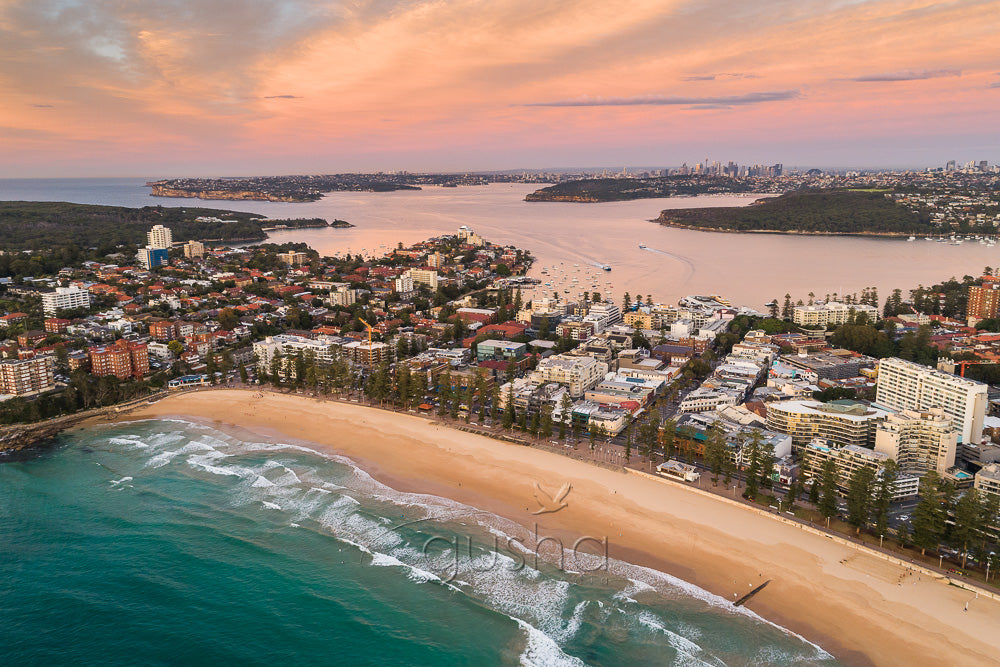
[312, 188]
[26, 225]
[869, 213]
[591, 190]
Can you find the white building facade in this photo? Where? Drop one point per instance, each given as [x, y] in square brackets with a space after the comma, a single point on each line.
[904, 385]
[160, 237]
[65, 298]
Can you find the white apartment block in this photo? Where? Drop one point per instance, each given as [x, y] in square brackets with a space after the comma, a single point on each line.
[404, 284]
[288, 345]
[918, 441]
[704, 399]
[603, 315]
[848, 460]
[23, 377]
[578, 374]
[833, 312]
[64, 298]
[159, 350]
[423, 277]
[682, 328]
[904, 385]
[160, 237]
[764, 353]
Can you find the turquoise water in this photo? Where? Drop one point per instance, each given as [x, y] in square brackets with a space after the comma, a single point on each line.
[167, 542]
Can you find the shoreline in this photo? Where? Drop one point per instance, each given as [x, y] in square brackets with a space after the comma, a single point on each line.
[723, 230]
[873, 612]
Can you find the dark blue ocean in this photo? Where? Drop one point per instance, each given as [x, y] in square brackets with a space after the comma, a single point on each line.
[168, 542]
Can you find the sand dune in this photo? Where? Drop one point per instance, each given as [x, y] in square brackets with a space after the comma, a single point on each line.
[862, 609]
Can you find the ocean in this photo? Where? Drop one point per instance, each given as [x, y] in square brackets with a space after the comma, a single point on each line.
[170, 542]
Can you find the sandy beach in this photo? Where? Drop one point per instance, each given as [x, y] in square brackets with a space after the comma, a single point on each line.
[860, 608]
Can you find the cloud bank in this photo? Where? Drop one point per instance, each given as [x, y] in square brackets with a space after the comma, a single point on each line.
[908, 75]
[708, 102]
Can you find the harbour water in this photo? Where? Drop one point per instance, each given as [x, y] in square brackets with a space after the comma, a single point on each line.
[750, 269]
[165, 541]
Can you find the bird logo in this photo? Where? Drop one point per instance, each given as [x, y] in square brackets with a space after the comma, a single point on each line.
[547, 503]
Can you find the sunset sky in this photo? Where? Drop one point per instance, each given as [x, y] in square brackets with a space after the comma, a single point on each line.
[235, 87]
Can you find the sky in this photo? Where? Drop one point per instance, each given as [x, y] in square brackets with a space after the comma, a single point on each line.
[242, 87]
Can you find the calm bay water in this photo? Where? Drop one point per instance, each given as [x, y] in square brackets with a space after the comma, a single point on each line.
[160, 542]
[750, 269]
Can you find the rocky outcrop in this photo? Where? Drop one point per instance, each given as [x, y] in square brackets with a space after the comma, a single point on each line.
[23, 438]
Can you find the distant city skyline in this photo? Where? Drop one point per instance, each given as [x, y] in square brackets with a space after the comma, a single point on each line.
[99, 88]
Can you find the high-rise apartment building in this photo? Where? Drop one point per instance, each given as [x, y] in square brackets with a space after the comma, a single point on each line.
[847, 461]
[23, 377]
[160, 237]
[984, 301]
[918, 441]
[124, 359]
[840, 423]
[904, 385]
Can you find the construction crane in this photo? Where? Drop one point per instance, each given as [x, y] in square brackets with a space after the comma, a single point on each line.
[371, 358]
[963, 364]
[949, 366]
[369, 333]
